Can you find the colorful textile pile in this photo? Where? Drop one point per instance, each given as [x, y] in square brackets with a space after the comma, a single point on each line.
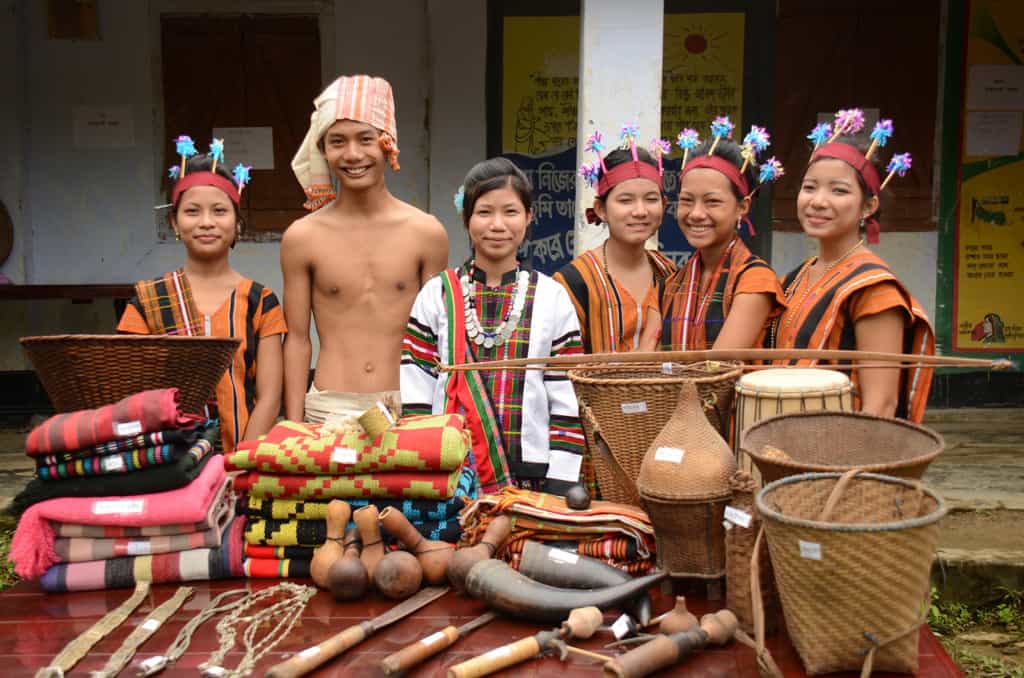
[618, 534]
[292, 473]
[128, 492]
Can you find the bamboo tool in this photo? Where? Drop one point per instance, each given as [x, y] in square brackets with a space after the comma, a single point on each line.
[416, 653]
[581, 623]
[566, 362]
[664, 651]
[305, 661]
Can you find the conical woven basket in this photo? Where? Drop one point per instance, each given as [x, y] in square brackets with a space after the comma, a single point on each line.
[631, 403]
[840, 441]
[852, 554]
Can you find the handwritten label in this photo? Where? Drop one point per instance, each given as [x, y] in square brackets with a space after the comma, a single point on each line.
[734, 515]
[151, 625]
[138, 548]
[564, 466]
[344, 455]
[433, 638]
[634, 408]
[810, 550]
[126, 429]
[666, 368]
[386, 412]
[116, 506]
[112, 463]
[310, 652]
[670, 454]
[558, 555]
[621, 627]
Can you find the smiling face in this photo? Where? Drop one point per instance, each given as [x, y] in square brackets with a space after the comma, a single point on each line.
[831, 202]
[708, 211]
[633, 210]
[352, 150]
[497, 226]
[206, 221]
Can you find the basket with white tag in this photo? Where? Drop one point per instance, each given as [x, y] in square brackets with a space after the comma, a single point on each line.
[852, 555]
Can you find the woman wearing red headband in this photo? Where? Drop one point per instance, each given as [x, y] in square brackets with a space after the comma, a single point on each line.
[724, 295]
[206, 297]
[846, 297]
[615, 288]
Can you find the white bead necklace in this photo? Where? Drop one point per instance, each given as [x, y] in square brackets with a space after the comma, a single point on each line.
[503, 332]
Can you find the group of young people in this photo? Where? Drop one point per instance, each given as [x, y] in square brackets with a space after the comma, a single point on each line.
[371, 270]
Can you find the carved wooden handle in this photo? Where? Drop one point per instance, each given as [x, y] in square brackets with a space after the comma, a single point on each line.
[418, 652]
[644, 660]
[310, 658]
[496, 659]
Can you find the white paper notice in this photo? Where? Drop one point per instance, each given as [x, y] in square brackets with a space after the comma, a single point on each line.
[564, 466]
[995, 87]
[118, 506]
[253, 145]
[634, 408]
[560, 556]
[103, 127]
[127, 429]
[810, 550]
[344, 455]
[993, 133]
[735, 515]
[671, 454]
[621, 627]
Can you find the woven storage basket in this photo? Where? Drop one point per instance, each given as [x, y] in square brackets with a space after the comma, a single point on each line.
[840, 441]
[85, 371]
[684, 488]
[739, 547]
[854, 578]
[631, 403]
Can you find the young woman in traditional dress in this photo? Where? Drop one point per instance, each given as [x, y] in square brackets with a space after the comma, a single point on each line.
[207, 297]
[615, 288]
[724, 295]
[525, 424]
[847, 297]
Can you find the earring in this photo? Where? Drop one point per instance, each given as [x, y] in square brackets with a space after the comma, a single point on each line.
[739, 224]
[861, 225]
[177, 235]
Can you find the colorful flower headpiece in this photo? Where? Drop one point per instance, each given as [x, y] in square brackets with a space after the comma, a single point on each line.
[186, 148]
[599, 177]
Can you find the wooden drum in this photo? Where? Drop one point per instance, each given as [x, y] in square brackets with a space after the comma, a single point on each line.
[767, 393]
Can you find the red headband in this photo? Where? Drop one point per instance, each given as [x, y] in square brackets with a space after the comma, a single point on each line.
[634, 169]
[721, 165]
[855, 159]
[206, 179]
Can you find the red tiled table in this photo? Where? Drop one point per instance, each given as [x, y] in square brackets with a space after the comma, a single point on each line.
[35, 626]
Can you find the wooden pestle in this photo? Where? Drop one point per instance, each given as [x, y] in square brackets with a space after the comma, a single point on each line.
[434, 555]
[347, 577]
[665, 651]
[365, 519]
[464, 559]
[338, 513]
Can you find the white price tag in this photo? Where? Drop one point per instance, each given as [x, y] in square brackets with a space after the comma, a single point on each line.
[112, 463]
[560, 556]
[621, 627]
[738, 517]
[138, 548]
[671, 454]
[810, 550]
[638, 407]
[666, 368]
[127, 429]
[344, 455]
[502, 651]
[564, 465]
[116, 506]
[386, 412]
[151, 624]
[433, 638]
[310, 651]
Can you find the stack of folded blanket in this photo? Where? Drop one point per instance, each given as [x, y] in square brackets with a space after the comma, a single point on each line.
[618, 534]
[290, 475]
[125, 493]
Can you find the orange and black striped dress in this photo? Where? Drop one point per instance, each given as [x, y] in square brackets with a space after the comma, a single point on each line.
[165, 306]
[611, 320]
[823, 315]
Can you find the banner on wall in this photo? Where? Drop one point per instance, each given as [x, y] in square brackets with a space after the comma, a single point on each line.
[988, 308]
[702, 78]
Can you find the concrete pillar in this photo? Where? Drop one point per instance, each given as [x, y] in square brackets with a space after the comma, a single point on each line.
[620, 82]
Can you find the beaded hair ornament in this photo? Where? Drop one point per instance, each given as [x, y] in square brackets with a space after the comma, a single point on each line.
[597, 175]
[186, 148]
[848, 122]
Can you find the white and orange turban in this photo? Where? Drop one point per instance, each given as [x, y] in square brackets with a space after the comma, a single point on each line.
[362, 98]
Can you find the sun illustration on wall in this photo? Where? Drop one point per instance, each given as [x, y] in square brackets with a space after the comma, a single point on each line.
[694, 45]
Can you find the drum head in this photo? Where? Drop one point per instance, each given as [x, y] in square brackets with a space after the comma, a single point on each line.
[796, 379]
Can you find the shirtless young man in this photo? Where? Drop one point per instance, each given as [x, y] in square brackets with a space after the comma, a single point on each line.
[357, 262]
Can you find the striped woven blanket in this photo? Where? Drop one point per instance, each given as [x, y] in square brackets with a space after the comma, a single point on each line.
[173, 436]
[263, 532]
[415, 444]
[123, 462]
[276, 568]
[437, 485]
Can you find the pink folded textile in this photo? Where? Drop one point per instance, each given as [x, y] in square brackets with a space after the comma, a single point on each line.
[143, 412]
[32, 546]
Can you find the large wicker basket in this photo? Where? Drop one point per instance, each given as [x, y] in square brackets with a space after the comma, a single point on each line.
[85, 371]
[840, 441]
[852, 556]
[632, 403]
